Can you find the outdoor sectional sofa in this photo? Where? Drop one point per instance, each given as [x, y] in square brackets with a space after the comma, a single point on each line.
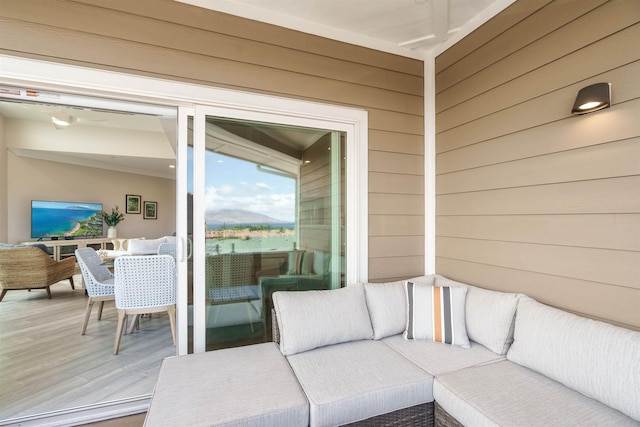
[366, 354]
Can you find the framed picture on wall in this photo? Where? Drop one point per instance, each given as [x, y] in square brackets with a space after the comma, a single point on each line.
[150, 210]
[133, 204]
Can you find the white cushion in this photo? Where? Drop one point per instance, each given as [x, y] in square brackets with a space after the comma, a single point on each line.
[387, 308]
[424, 280]
[387, 305]
[436, 313]
[311, 319]
[597, 359]
[437, 359]
[243, 386]
[353, 381]
[321, 262]
[144, 246]
[124, 243]
[507, 394]
[489, 315]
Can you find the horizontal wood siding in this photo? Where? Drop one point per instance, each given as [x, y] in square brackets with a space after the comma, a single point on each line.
[171, 40]
[529, 197]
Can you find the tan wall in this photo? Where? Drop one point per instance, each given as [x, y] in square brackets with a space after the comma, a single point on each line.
[530, 198]
[315, 197]
[177, 41]
[33, 179]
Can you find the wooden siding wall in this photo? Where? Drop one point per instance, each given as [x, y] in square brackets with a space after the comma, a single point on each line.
[315, 197]
[316, 201]
[171, 40]
[530, 198]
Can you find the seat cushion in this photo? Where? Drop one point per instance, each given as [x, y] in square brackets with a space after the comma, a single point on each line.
[357, 380]
[507, 394]
[242, 386]
[436, 358]
[595, 358]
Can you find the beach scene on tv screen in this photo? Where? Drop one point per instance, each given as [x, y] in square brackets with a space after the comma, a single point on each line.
[65, 219]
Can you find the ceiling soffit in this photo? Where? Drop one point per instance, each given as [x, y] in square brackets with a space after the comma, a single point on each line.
[411, 28]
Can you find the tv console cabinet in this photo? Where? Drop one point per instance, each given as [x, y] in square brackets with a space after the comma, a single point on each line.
[63, 248]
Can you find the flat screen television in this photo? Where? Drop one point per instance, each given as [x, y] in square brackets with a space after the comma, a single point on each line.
[55, 220]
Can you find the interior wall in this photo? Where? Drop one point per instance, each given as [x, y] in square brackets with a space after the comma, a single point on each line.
[176, 41]
[529, 197]
[34, 179]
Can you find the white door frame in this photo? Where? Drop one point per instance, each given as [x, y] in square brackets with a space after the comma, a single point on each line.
[43, 76]
[279, 117]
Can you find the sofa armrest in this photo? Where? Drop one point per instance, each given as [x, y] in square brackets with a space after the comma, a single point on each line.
[275, 330]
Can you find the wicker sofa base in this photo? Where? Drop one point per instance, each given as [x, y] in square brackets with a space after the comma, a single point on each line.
[444, 419]
[419, 416]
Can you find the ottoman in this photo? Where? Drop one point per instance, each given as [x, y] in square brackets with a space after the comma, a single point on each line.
[243, 386]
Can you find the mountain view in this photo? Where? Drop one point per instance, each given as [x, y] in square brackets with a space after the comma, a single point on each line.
[238, 216]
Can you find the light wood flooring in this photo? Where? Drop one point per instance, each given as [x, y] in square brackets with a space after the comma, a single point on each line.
[46, 365]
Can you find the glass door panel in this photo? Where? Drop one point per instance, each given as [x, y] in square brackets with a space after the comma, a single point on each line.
[270, 198]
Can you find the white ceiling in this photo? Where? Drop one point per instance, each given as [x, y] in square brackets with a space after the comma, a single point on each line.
[412, 28]
[88, 122]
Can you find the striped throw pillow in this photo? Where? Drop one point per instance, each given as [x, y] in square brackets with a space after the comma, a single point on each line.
[295, 262]
[436, 313]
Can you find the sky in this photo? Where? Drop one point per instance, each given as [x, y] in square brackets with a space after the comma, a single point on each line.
[237, 184]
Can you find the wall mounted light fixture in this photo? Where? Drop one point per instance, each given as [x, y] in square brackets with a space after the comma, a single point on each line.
[592, 98]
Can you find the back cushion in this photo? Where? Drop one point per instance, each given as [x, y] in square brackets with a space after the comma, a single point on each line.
[597, 359]
[387, 308]
[311, 319]
[387, 305]
[294, 262]
[144, 246]
[307, 263]
[489, 315]
[321, 262]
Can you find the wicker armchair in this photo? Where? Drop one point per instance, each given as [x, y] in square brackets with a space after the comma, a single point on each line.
[230, 279]
[29, 267]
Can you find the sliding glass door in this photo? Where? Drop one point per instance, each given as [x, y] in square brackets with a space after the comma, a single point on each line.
[269, 212]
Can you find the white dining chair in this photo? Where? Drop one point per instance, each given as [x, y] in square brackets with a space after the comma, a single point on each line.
[98, 282]
[144, 284]
[167, 249]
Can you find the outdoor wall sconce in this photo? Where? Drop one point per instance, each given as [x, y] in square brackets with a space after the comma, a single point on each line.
[592, 98]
